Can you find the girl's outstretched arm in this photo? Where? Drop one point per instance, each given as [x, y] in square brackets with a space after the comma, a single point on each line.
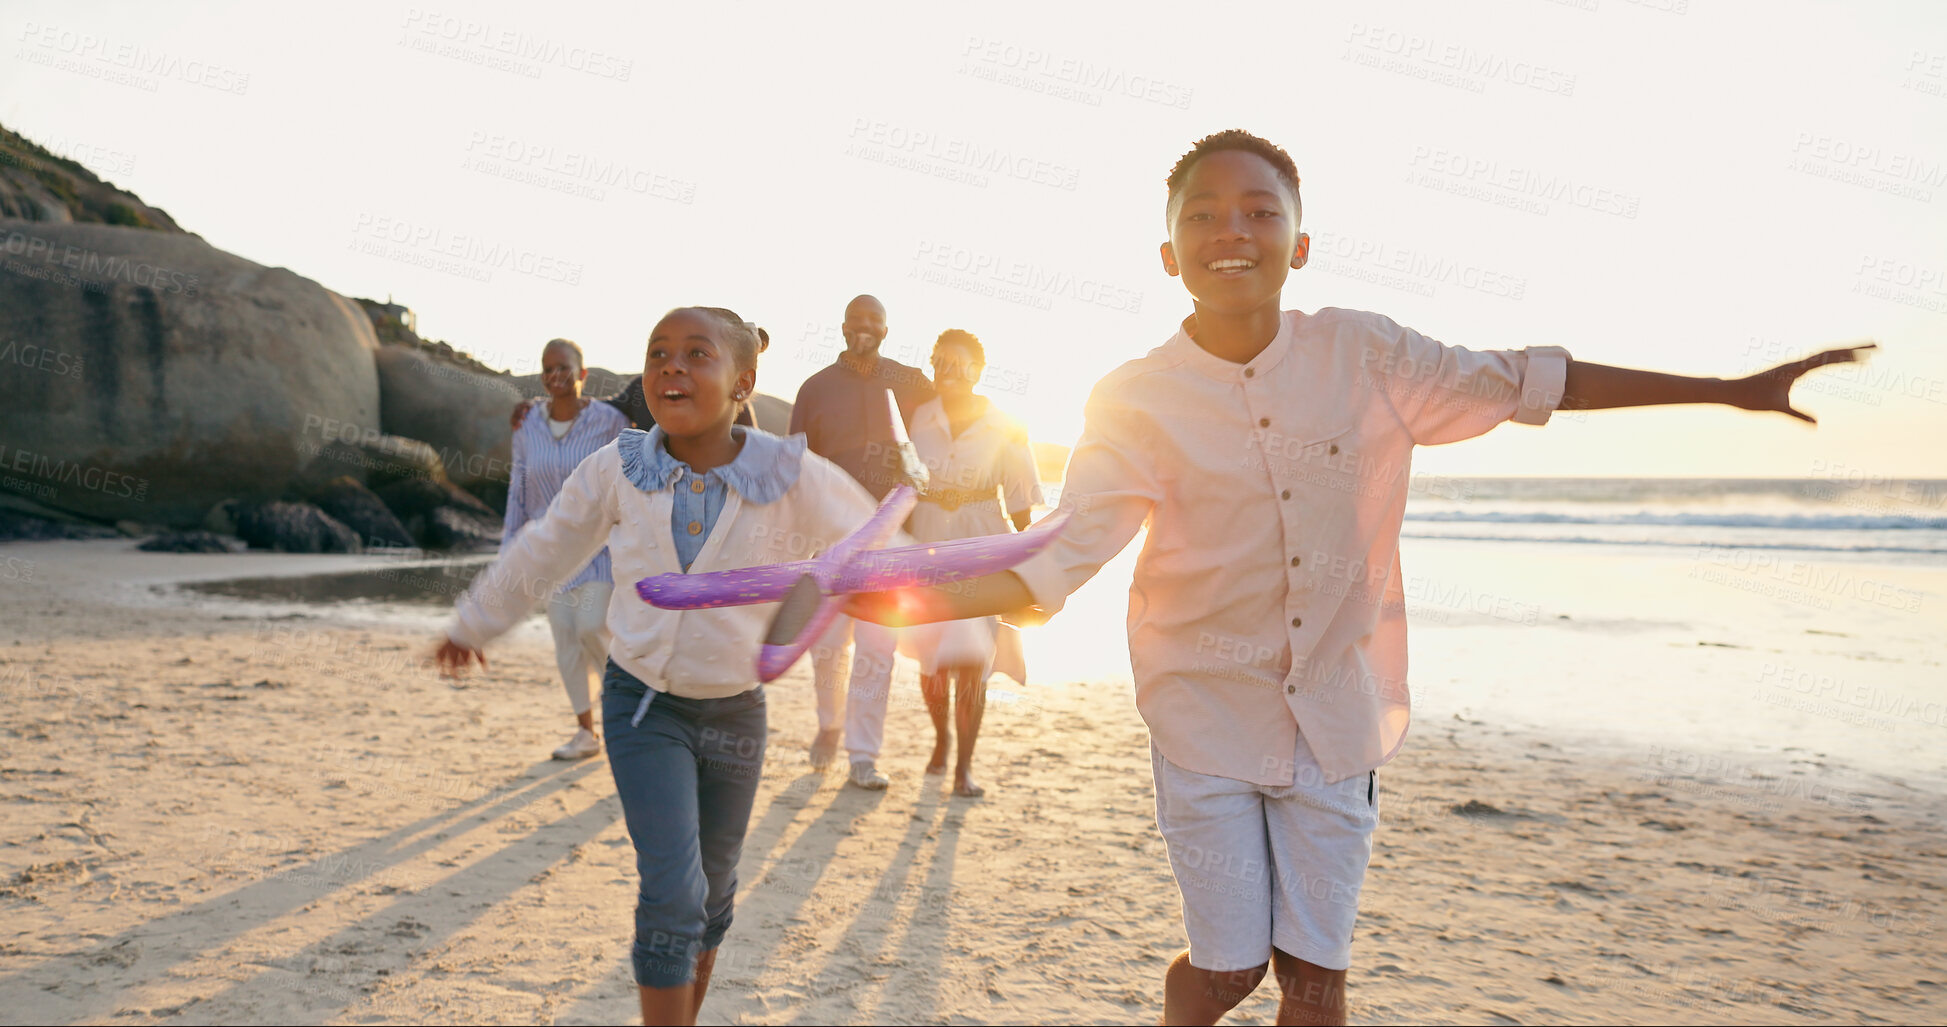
[542, 555]
[1601, 387]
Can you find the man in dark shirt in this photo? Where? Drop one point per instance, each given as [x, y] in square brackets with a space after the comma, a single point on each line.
[841, 411]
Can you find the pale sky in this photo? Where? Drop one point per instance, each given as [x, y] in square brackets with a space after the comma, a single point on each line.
[1687, 185]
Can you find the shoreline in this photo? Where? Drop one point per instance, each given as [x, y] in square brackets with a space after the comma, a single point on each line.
[154, 581]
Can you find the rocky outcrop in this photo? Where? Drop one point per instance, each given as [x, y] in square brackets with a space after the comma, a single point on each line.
[151, 380]
[441, 515]
[354, 506]
[452, 527]
[191, 542]
[166, 374]
[293, 528]
[37, 185]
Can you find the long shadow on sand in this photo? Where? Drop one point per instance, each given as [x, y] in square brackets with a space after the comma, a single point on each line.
[795, 873]
[428, 917]
[222, 918]
[895, 959]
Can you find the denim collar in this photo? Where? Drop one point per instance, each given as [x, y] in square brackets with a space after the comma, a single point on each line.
[762, 473]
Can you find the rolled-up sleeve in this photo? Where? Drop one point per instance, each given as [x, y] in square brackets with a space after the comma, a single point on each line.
[547, 552]
[1448, 393]
[1110, 489]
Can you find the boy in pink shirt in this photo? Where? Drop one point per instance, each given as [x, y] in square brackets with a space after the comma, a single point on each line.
[1269, 453]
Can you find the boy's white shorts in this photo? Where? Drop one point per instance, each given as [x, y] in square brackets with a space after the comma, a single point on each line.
[1260, 866]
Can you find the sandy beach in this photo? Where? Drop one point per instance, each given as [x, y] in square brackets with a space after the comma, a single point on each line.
[218, 813]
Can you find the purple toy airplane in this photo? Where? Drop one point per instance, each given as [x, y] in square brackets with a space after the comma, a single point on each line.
[813, 591]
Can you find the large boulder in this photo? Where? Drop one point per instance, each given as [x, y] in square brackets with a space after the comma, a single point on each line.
[461, 413]
[371, 461]
[148, 375]
[771, 413]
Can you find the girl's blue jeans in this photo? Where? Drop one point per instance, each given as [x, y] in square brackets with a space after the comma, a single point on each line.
[687, 776]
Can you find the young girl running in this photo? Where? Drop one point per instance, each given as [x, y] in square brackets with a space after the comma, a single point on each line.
[682, 711]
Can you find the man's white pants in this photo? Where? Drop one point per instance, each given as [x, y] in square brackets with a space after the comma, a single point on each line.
[868, 689]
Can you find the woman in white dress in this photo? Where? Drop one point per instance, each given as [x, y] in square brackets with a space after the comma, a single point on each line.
[983, 482]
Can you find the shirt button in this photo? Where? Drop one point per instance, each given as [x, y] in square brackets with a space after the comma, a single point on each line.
[1294, 561]
[1297, 622]
[1264, 422]
[1250, 372]
[1286, 494]
[696, 527]
[696, 484]
[1291, 689]
[1335, 449]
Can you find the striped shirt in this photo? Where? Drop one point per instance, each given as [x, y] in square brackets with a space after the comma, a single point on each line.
[542, 463]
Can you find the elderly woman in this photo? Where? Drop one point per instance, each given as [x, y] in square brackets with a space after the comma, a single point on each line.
[983, 483]
[546, 450]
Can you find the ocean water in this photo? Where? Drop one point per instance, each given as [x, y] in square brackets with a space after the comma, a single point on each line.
[1771, 626]
[1835, 515]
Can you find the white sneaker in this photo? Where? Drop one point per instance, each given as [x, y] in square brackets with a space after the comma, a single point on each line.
[867, 776]
[580, 747]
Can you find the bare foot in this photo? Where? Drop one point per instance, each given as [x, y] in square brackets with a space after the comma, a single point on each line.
[824, 748]
[937, 765]
[963, 784]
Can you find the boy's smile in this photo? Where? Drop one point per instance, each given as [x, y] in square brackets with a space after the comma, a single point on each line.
[1234, 234]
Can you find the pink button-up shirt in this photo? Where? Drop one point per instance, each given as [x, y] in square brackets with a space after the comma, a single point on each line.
[1267, 599]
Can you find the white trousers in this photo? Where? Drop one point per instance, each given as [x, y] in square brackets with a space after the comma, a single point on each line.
[579, 620]
[867, 690]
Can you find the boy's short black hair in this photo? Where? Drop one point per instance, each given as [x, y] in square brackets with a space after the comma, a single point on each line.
[964, 339]
[1234, 139]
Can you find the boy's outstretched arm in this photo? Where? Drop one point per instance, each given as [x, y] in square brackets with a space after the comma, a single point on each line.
[1601, 387]
[993, 595]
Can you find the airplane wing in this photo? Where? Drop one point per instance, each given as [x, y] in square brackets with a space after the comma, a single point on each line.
[873, 570]
[769, 583]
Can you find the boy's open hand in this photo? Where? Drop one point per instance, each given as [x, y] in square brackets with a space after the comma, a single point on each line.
[453, 658]
[1772, 389]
